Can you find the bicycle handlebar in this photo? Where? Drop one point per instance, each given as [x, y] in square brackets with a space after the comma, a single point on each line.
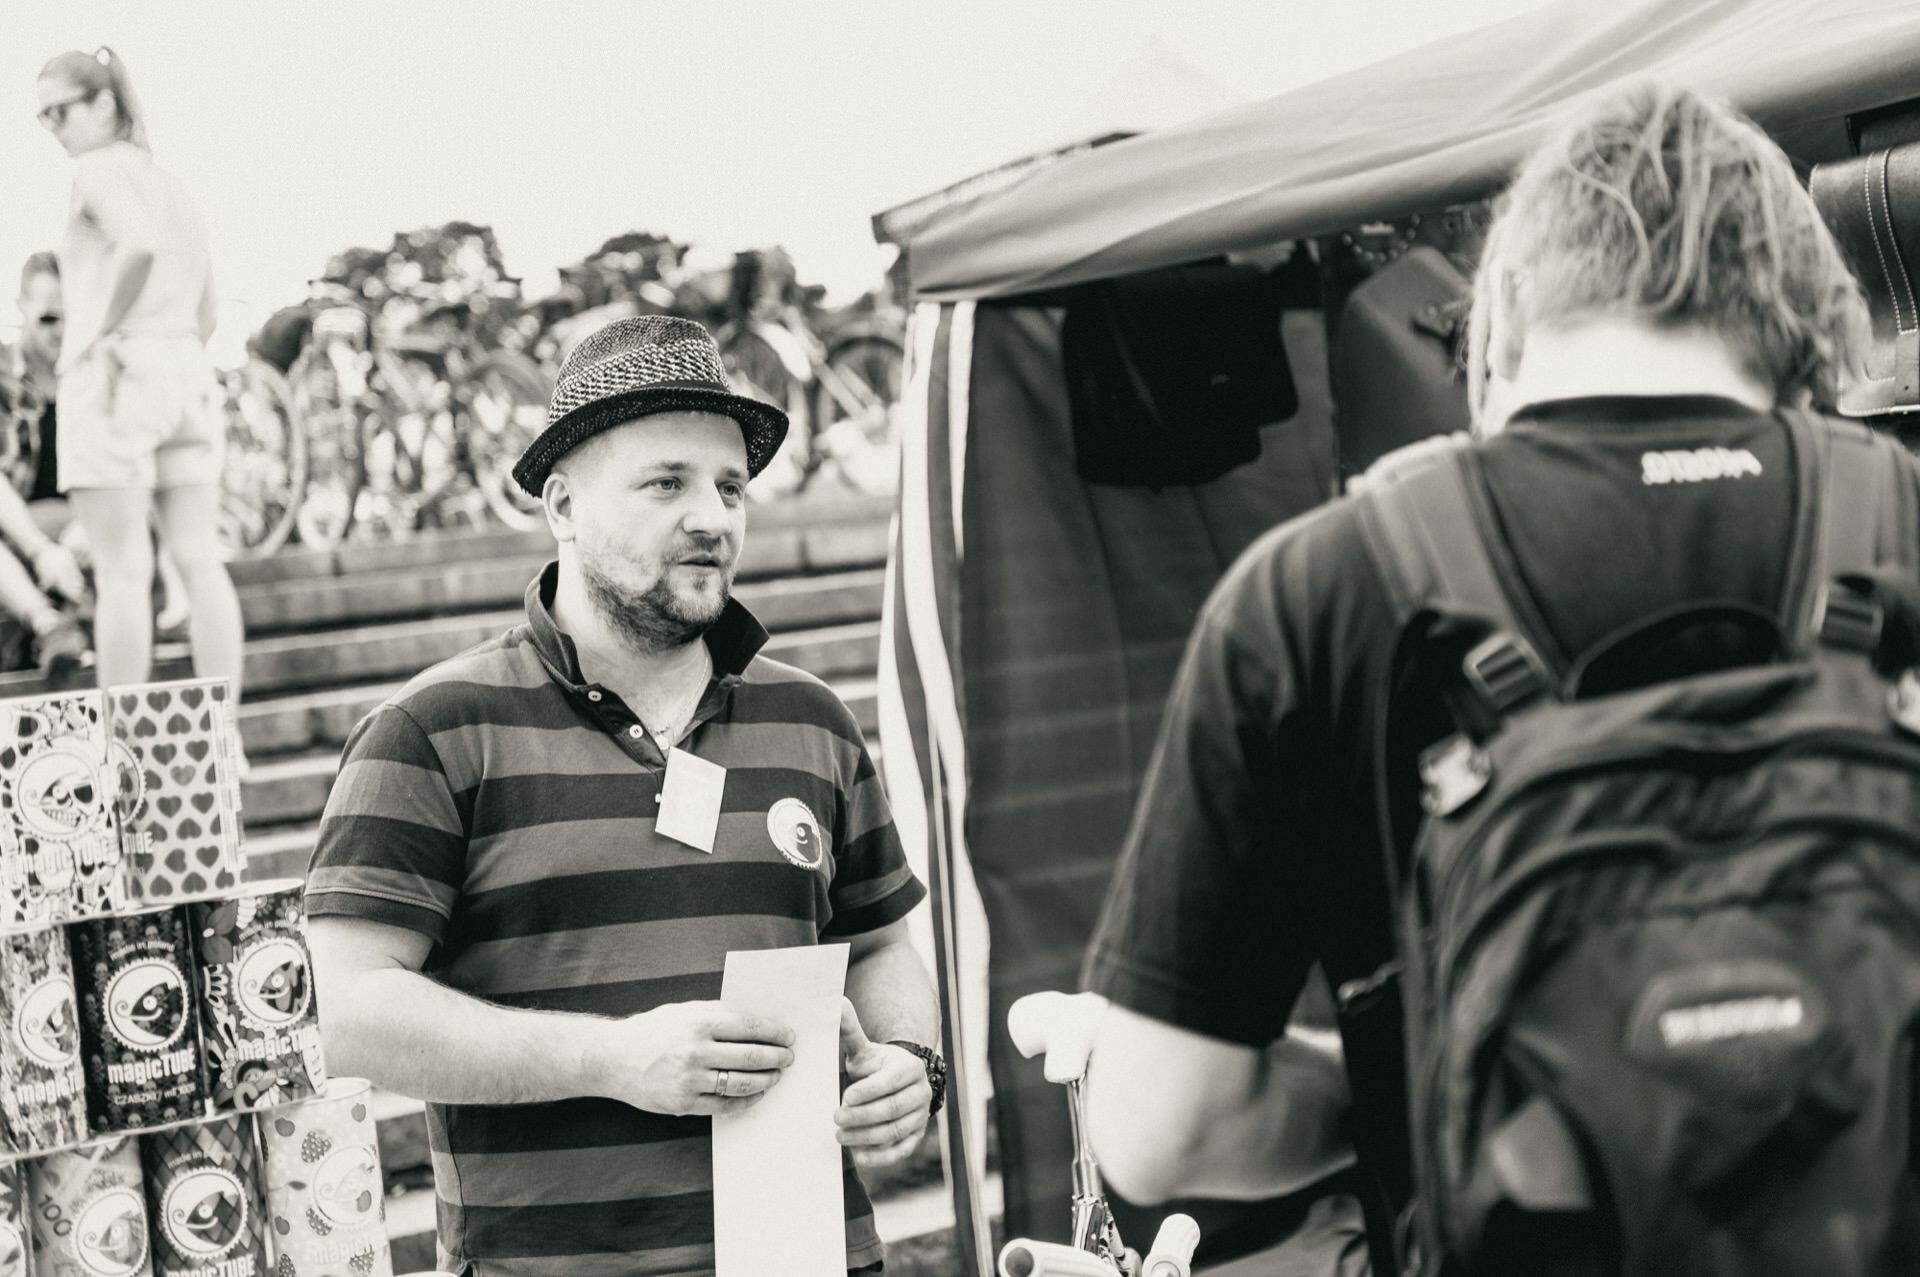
[1062, 1025]
[1171, 1256]
[1173, 1247]
[1023, 1258]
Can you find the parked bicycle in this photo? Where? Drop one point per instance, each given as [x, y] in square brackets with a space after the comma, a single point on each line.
[410, 421]
[840, 392]
[841, 399]
[266, 465]
[1061, 1026]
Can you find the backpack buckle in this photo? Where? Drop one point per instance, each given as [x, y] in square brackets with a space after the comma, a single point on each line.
[1849, 620]
[1903, 702]
[1452, 774]
[1504, 673]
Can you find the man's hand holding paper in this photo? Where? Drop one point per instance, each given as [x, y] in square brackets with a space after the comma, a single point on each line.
[693, 1058]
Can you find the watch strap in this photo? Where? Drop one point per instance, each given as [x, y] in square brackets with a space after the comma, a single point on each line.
[936, 1071]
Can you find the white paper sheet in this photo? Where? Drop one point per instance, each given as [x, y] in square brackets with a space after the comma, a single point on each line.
[778, 1200]
[690, 800]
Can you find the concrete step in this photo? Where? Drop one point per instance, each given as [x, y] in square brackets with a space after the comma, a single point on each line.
[401, 594]
[448, 588]
[309, 720]
[289, 662]
[766, 529]
[370, 654]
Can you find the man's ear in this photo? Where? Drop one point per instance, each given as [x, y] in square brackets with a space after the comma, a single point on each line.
[556, 497]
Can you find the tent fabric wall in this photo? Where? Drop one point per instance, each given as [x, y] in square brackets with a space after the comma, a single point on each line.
[1436, 126]
[1072, 609]
[923, 755]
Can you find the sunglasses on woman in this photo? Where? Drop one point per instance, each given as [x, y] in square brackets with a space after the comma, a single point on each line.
[54, 114]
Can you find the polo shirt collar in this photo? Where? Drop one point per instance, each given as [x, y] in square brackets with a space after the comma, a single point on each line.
[733, 640]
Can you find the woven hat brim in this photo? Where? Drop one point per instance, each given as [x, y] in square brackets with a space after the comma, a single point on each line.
[763, 426]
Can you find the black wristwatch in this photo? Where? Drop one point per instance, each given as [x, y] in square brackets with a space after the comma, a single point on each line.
[936, 1071]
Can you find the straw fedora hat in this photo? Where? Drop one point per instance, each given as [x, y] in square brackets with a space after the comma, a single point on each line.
[635, 368]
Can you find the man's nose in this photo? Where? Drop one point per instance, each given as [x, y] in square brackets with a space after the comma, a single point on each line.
[706, 513]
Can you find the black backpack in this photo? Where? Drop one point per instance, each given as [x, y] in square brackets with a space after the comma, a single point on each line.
[1660, 946]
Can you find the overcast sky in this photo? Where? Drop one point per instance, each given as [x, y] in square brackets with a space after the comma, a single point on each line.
[306, 128]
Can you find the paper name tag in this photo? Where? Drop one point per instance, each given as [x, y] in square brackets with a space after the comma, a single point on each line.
[690, 800]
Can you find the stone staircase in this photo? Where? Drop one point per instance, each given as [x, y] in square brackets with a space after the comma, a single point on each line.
[331, 634]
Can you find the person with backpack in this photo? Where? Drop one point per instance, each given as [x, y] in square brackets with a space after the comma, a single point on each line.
[1583, 758]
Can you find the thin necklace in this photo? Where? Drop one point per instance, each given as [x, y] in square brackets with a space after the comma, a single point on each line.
[668, 734]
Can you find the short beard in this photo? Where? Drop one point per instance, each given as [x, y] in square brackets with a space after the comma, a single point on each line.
[654, 620]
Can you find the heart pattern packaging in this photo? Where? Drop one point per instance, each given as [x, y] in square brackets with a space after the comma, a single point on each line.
[90, 1213]
[60, 852]
[260, 1025]
[324, 1185]
[204, 1195]
[175, 747]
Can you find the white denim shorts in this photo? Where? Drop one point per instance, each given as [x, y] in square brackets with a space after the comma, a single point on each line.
[141, 412]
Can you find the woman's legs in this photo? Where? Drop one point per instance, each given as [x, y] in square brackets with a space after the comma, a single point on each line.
[189, 527]
[115, 521]
[174, 610]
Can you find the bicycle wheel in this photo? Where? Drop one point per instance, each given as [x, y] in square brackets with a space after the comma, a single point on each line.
[266, 465]
[758, 371]
[410, 457]
[856, 408]
[503, 409]
[329, 422]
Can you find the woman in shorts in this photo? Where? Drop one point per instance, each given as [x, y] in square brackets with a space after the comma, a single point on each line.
[142, 428]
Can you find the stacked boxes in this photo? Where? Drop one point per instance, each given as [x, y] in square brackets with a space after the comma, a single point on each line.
[60, 850]
[174, 746]
[157, 1011]
[43, 1085]
[261, 1028]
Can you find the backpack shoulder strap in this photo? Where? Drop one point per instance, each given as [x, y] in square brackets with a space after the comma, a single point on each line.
[1860, 500]
[1858, 521]
[1422, 529]
[1425, 533]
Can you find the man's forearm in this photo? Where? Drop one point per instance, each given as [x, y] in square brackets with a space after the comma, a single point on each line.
[412, 1035]
[1288, 1134]
[1174, 1113]
[889, 990]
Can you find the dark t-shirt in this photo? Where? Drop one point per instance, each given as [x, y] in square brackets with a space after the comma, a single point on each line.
[1255, 849]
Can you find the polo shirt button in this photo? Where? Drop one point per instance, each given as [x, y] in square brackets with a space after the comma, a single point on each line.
[636, 731]
[593, 695]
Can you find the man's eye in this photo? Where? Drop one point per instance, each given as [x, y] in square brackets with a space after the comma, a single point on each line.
[733, 491]
[667, 484]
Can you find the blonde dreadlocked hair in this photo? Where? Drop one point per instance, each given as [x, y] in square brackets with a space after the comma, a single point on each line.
[1660, 204]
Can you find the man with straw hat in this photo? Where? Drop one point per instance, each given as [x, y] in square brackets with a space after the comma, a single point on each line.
[507, 923]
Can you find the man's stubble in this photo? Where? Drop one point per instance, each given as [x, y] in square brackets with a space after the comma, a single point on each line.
[656, 619]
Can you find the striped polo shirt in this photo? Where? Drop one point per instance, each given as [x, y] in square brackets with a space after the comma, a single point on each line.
[503, 807]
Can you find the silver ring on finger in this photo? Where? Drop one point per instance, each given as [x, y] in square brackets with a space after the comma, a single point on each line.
[720, 1082]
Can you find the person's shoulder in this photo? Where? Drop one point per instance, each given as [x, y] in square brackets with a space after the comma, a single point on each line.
[468, 687]
[1303, 562]
[114, 159]
[794, 694]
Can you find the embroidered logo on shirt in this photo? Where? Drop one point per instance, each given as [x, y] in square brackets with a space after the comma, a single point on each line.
[796, 833]
[1697, 465]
